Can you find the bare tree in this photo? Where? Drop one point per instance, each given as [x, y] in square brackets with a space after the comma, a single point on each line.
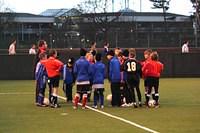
[97, 11]
[196, 5]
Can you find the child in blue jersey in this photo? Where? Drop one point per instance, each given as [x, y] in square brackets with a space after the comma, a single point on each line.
[115, 79]
[83, 77]
[98, 75]
[68, 79]
[41, 78]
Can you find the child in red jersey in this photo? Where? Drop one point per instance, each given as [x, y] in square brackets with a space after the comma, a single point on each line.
[147, 58]
[152, 70]
[53, 67]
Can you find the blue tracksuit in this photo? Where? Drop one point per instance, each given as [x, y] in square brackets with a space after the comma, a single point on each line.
[114, 70]
[41, 78]
[98, 75]
[82, 70]
[115, 79]
[68, 78]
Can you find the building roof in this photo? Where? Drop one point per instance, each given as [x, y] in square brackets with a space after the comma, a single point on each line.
[60, 12]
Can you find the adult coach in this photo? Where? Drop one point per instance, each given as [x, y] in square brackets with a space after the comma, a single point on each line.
[53, 67]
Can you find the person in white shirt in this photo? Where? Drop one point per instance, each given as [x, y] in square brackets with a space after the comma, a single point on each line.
[12, 48]
[32, 50]
[185, 48]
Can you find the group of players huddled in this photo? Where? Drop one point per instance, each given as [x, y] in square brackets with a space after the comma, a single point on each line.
[89, 72]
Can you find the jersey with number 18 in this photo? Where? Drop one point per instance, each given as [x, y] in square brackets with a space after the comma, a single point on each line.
[133, 69]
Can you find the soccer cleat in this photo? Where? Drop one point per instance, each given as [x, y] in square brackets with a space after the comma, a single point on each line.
[140, 104]
[41, 105]
[83, 107]
[101, 106]
[124, 105]
[135, 105]
[94, 106]
[75, 107]
[157, 105]
[55, 105]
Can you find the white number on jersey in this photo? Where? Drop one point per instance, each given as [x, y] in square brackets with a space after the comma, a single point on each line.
[131, 66]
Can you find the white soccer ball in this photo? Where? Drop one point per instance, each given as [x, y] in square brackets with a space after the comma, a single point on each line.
[109, 97]
[46, 101]
[152, 103]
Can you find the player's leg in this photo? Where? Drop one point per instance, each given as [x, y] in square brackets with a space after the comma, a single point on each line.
[137, 87]
[118, 94]
[49, 82]
[101, 97]
[55, 83]
[70, 92]
[156, 91]
[76, 100]
[84, 100]
[65, 90]
[36, 92]
[95, 98]
[41, 97]
[113, 92]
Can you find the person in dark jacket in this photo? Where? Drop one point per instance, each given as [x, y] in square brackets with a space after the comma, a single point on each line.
[68, 79]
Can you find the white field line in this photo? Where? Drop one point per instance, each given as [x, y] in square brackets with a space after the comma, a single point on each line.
[118, 118]
[16, 93]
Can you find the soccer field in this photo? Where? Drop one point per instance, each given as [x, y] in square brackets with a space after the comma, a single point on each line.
[179, 111]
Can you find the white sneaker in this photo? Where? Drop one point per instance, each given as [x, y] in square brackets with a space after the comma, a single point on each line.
[101, 106]
[130, 104]
[124, 105]
[94, 106]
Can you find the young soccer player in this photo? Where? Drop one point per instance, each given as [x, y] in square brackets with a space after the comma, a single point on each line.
[41, 78]
[152, 71]
[147, 58]
[53, 67]
[98, 75]
[82, 74]
[68, 79]
[133, 69]
[115, 79]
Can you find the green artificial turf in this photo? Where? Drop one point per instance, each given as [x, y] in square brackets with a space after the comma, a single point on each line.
[179, 111]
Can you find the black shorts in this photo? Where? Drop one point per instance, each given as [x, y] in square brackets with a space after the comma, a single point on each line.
[83, 89]
[152, 82]
[54, 81]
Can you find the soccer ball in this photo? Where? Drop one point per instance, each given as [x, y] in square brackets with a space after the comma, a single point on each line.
[151, 103]
[46, 101]
[109, 97]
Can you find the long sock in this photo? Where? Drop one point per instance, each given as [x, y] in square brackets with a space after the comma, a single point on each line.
[156, 97]
[102, 100]
[76, 100]
[153, 96]
[147, 98]
[84, 100]
[95, 98]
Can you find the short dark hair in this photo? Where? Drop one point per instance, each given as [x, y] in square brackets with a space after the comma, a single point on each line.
[132, 52]
[42, 55]
[98, 57]
[110, 52]
[41, 42]
[52, 52]
[125, 53]
[83, 52]
[148, 51]
[155, 56]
